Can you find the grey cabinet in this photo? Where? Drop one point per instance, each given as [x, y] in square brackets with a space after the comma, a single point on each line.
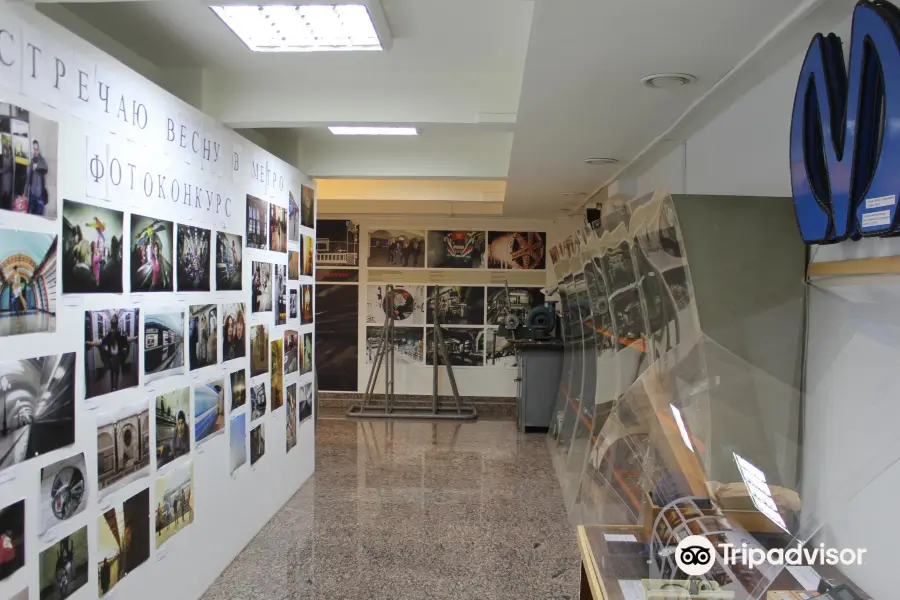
[540, 369]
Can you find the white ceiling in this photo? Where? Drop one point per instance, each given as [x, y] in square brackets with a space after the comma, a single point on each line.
[524, 88]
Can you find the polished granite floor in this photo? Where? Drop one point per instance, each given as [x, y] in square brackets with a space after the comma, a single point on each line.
[415, 511]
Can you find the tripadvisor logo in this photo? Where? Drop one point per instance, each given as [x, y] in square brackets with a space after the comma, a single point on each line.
[696, 555]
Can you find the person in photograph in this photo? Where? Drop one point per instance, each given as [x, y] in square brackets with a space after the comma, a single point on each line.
[7, 161]
[114, 349]
[181, 445]
[202, 335]
[36, 181]
[211, 350]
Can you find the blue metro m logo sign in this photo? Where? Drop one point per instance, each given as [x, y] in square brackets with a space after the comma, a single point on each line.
[845, 131]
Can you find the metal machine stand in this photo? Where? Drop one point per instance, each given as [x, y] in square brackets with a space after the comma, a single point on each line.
[373, 408]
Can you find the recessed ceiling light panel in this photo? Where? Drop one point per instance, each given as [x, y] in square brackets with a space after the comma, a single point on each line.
[664, 81]
[601, 161]
[301, 27]
[373, 130]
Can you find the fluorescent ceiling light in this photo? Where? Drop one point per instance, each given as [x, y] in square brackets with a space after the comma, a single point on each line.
[301, 27]
[373, 130]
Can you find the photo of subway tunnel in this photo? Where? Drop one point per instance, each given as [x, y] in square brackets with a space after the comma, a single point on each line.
[163, 345]
[27, 282]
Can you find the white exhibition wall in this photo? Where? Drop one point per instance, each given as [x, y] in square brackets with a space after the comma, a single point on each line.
[127, 145]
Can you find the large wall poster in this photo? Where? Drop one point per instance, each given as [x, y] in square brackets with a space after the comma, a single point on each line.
[27, 282]
[92, 249]
[337, 243]
[456, 249]
[516, 300]
[396, 248]
[337, 313]
[517, 250]
[29, 164]
[408, 304]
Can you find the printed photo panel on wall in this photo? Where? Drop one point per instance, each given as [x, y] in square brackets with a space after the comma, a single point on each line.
[499, 351]
[276, 365]
[92, 249]
[407, 304]
[337, 243]
[123, 447]
[306, 353]
[12, 526]
[237, 441]
[293, 265]
[306, 303]
[123, 540]
[193, 258]
[456, 249]
[234, 331]
[64, 491]
[27, 282]
[163, 345]
[290, 417]
[173, 426]
[39, 407]
[293, 218]
[112, 350]
[257, 443]
[517, 300]
[305, 407]
[348, 275]
[229, 262]
[517, 250]
[409, 344]
[280, 281]
[457, 305]
[174, 499]
[307, 258]
[238, 389]
[293, 304]
[29, 164]
[152, 251]
[261, 286]
[63, 567]
[465, 347]
[257, 223]
[258, 402]
[396, 248]
[337, 343]
[278, 224]
[307, 206]
[291, 352]
[259, 350]
[203, 342]
[209, 410]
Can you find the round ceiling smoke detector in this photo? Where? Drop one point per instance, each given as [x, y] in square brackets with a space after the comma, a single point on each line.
[665, 81]
[601, 161]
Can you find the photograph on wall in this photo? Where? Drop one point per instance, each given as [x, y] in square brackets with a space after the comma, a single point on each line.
[237, 441]
[38, 407]
[209, 410]
[499, 351]
[203, 344]
[63, 566]
[257, 223]
[12, 538]
[123, 447]
[293, 218]
[290, 417]
[456, 249]
[307, 256]
[409, 345]
[517, 301]
[306, 354]
[517, 250]
[257, 443]
[337, 243]
[173, 426]
[280, 280]
[174, 502]
[396, 248]
[30, 162]
[306, 303]
[307, 206]
[229, 262]
[277, 375]
[293, 301]
[291, 352]
[152, 251]
[277, 228]
[337, 342]
[259, 350]
[464, 346]
[234, 325]
[92, 249]
[293, 265]
[406, 303]
[257, 401]
[64, 491]
[123, 540]
[27, 282]
[163, 345]
[304, 402]
[261, 286]
[238, 389]
[457, 305]
[112, 350]
[325, 275]
[194, 247]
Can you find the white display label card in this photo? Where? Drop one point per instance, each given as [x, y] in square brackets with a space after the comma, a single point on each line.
[873, 219]
[619, 537]
[880, 202]
[632, 589]
[806, 576]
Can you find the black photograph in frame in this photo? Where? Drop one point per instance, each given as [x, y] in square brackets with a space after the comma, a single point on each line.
[152, 251]
[112, 350]
[92, 249]
[257, 223]
[229, 262]
[194, 246]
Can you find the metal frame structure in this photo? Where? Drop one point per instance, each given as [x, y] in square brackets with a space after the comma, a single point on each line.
[387, 407]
